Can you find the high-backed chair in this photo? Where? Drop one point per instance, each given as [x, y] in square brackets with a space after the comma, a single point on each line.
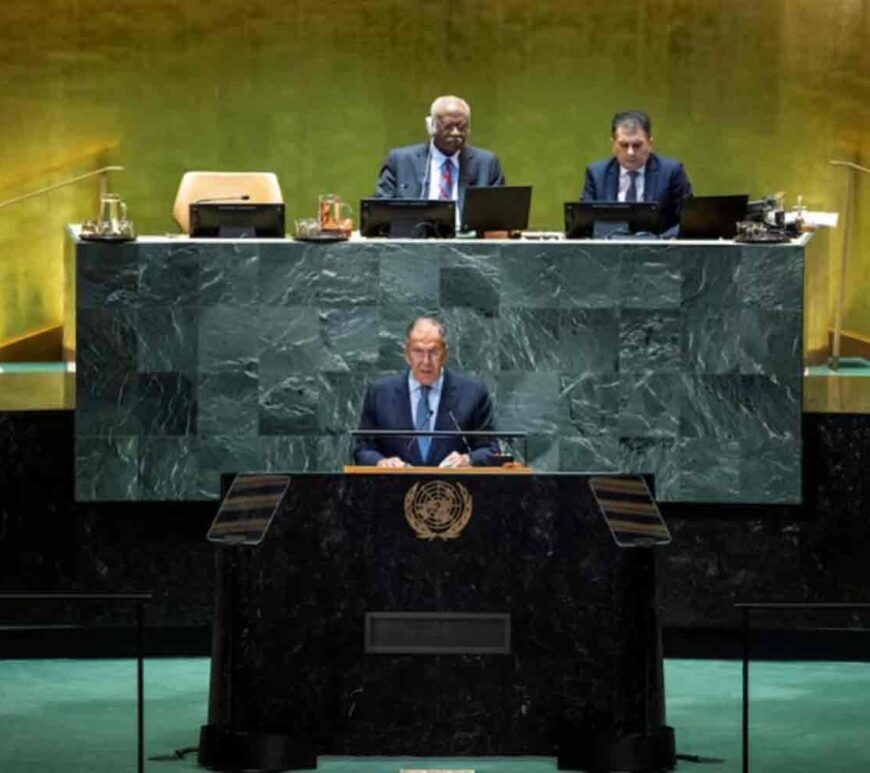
[259, 187]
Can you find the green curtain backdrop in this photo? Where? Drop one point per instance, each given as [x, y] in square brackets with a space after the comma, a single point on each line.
[753, 95]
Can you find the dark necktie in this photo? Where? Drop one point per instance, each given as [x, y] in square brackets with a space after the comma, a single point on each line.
[421, 421]
[445, 184]
[631, 193]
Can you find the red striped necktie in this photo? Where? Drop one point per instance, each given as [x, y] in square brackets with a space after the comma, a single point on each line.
[445, 184]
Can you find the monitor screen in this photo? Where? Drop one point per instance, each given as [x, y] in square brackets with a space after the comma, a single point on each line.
[235, 220]
[611, 219]
[407, 218]
[496, 208]
[712, 217]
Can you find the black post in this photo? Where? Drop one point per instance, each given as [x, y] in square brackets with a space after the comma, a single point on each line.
[140, 689]
[745, 634]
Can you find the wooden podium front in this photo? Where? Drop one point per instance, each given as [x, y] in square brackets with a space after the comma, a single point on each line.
[519, 630]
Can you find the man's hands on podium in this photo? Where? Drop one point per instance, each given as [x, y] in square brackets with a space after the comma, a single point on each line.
[391, 461]
[453, 459]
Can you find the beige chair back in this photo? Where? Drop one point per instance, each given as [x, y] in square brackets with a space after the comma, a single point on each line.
[260, 187]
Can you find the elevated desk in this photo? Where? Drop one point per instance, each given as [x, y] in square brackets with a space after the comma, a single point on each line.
[195, 357]
[290, 657]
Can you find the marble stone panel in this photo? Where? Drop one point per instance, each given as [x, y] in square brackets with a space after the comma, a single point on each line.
[288, 403]
[229, 400]
[769, 342]
[708, 470]
[711, 339]
[547, 275]
[220, 454]
[650, 277]
[107, 276]
[407, 278]
[650, 340]
[710, 277]
[168, 338]
[593, 402]
[471, 287]
[169, 276]
[166, 404]
[771, 277]
[107, 468]
[229, 274]
[167, 468]
[227, 339]
[650, 405]
[473, 341]
[319, 275]
[350, 337]
[655, 357]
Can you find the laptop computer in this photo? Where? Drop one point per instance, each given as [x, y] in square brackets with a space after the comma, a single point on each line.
[712, 217]
[498, 208]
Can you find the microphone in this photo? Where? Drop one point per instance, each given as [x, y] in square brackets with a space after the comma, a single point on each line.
[459, 429]
[213, 199]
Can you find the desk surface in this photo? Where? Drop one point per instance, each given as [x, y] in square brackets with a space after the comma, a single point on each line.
[354, 469]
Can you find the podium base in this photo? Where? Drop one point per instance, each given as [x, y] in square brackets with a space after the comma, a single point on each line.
[235, 750]
[600, 753]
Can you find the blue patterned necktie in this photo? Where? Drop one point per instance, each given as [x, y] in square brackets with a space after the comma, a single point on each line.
[631, 193]
[421, 421]
[445, 184]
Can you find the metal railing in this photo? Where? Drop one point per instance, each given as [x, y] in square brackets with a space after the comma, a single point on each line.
[140, 599]
[746, 609]
[102, 173]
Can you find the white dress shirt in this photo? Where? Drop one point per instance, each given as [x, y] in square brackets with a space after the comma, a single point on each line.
[625, 181]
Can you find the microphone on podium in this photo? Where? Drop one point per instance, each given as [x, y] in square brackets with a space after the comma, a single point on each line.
[459, 430]
[215, 199]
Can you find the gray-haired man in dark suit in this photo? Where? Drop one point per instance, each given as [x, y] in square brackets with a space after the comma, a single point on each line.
[443, 167]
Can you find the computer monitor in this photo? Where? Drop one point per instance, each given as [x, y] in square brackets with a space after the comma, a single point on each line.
[712, 217]
[496, 208]
[235, 220]
[407, 218]
[610, 219]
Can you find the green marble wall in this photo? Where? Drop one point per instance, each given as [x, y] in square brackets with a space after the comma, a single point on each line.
[753, 95]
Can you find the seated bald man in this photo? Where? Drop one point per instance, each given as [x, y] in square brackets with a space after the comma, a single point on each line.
[635, 173]
[443, 167]
[426, 396]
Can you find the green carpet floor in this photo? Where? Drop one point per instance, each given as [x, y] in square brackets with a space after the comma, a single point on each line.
[79, 717]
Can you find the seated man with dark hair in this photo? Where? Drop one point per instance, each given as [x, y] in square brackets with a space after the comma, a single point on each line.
[427, 396]
[635, 173]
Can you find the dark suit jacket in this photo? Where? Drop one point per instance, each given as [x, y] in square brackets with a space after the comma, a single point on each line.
[388, 406]
[665, 181]
[405, 170]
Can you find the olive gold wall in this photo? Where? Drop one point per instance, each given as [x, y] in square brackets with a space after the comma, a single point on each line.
[753, 95]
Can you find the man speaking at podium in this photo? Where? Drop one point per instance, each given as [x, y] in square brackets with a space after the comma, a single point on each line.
[426, 397]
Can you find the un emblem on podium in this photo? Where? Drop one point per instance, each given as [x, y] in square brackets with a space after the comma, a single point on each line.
[438, 509]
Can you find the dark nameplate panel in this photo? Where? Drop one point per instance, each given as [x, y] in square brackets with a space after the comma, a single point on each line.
[438, 633]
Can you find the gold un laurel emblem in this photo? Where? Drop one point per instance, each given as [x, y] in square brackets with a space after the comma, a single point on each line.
[438, 509]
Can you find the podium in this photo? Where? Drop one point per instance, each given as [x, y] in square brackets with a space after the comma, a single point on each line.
[348, 632]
